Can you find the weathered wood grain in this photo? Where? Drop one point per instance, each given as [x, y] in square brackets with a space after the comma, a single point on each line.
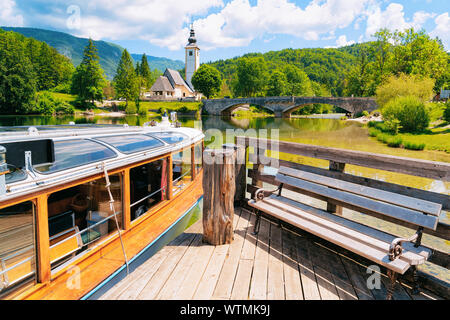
[363, 203]
[435, 197]
[219, 188]
[416, 167]
[442, 230]
[373, 193]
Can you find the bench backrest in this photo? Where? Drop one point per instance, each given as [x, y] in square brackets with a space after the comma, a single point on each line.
[362, 198]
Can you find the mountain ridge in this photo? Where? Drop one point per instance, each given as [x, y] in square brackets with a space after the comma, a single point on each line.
[73, 48]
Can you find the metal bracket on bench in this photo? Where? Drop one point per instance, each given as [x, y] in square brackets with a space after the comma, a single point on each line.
[260, 194]
[395, 249]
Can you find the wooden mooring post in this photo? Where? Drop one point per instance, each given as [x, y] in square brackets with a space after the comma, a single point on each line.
[219, 187]
[240, 171]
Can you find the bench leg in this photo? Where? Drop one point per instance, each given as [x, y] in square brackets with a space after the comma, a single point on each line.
[391, 289]
[416, 286]
[257, 223]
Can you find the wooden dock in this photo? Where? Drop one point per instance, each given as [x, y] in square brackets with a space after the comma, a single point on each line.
[275, 265]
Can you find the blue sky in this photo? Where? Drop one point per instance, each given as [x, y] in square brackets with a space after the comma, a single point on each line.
[228, 28]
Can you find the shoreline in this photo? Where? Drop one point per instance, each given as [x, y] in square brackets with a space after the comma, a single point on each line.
[366, 120]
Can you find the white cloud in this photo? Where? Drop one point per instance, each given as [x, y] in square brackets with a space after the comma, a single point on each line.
[442, 29]
[393, 18]
[161, 21]
[8, 14]
[238, 23]
[342, 41]
[221, 23]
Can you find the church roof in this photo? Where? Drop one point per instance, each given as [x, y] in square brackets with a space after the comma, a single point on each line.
[162, 84]
[176, 79]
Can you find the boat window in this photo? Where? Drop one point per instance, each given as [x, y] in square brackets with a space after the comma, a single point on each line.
[75, 153]
[182, 170]
[131, 143]
[81, 216]
[17, 246]
[148, 186]
[169, 137]
[198, 154]
[15, 175]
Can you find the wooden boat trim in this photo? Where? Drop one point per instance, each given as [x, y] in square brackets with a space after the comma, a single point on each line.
[38, 291]
[47, 281]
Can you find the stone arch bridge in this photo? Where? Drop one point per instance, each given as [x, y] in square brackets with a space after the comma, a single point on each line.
[283, 107]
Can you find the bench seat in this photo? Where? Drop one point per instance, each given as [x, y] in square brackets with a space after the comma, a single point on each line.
[365, 241]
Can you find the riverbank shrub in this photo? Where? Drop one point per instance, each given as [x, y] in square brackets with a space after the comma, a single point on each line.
[409, 111]
[47, 104]
[446, 115]
[131, 109]
[392, 126]
[405, 86]
[391, 141]
[413, 145]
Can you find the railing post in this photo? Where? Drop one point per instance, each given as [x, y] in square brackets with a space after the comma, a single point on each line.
[126, 200]
[43, 242]
[240, 171]
[338, 167]
[219, 187]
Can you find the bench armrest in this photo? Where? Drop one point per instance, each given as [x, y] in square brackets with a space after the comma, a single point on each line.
[395, 249]
[260, 194]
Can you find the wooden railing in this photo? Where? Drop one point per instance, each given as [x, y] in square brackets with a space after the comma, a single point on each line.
[338, 158]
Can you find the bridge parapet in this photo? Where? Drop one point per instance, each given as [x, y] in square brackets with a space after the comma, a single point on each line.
[284, 106]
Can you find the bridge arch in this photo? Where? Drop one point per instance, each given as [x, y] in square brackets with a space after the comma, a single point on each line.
[289, 111]
[228, 110]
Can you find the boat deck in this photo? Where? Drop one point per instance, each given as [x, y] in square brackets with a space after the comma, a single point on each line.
[275, 265]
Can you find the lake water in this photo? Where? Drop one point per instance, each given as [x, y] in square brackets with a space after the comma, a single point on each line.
[325, 132]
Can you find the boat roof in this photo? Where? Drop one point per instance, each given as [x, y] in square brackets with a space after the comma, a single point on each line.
[87, 149]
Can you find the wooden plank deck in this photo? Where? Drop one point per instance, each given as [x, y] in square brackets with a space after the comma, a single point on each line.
[275, 265]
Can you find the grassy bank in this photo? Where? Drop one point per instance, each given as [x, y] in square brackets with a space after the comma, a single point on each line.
[436, 138]
[150, 108]
[158, 107]
[253, 111]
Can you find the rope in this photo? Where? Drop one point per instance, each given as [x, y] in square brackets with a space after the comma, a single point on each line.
[111, 205]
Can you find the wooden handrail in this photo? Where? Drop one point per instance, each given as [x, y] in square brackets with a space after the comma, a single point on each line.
[416, 167]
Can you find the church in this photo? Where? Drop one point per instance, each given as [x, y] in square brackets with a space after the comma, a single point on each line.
[171, 85]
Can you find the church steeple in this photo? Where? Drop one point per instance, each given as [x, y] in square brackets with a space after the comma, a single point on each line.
[192, 57]
[192, 40]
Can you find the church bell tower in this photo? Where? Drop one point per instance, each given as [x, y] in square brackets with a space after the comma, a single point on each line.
[192, 57]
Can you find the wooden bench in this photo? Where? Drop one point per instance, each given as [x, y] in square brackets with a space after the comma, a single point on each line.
[396, 254]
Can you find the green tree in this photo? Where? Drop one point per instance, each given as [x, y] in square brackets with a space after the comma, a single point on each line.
[417, 53]
[405, 85]
[88, 80]
[360, 79]
[126, 83]
[382, 54]
[251, 77]
[298, 83]
[145, 72]
[17, 76]
[278, 84]
[207, 80]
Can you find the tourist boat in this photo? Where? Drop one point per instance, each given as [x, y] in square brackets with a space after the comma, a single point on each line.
[81, 206]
